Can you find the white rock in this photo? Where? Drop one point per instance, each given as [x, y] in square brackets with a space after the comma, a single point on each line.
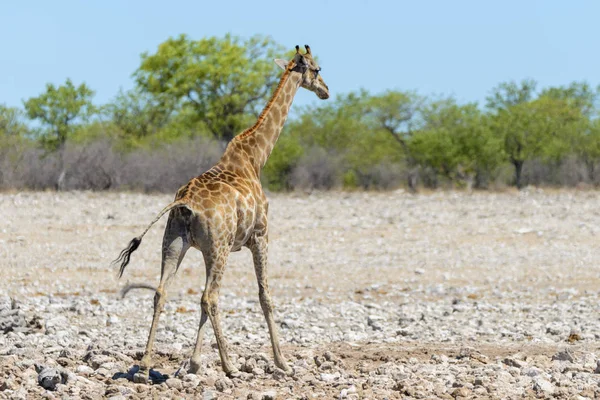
[542, 385]
[84, 370]
[328, 378]
[174, 383]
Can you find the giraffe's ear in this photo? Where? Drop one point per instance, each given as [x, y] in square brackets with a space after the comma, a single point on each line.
[282, 63]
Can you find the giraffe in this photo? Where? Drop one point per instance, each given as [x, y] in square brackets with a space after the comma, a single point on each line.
[225, 209]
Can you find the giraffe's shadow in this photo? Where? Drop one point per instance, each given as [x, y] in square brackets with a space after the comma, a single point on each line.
[155, 377]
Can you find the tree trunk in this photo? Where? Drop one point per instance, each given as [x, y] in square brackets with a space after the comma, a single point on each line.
[482, 179]
[228, 133]
[413, 179]
[223, 132]
[518, 173]
[591, 170]
[61, 181]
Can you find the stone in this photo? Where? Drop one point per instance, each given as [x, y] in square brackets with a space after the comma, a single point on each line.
[192, 378]
[574, 335]
[98, 360]
[512, 362]
[461, 392]
[327, 365]
[564, 355]
[209, 395]
[174, 383]
[328, 378]
[318, 360]
[49, 377]
[223, 384]
[290, 324]
[270, 395]
[249, 365]
[541, 385]
[531, 372]
[328, 356]
[374, 321]
[140, 377]
[554, 330]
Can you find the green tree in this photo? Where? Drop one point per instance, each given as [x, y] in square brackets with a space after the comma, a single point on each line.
[586, 146]
[345, 129]
[277, 172]
[328, 129]
[457, 142]
[223, 80]
[506, 103]
[60, 111]
[542, 128]
[136, 114]
[581, 138]
[578, 94]
[13, 141]
[509, 94]
[397, 114]
[11, 124]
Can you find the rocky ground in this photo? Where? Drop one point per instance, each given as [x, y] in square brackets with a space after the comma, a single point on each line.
[378, 295]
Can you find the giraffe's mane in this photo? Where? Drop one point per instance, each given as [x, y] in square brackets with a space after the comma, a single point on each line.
[263, 114]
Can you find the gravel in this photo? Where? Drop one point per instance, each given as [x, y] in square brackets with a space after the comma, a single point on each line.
[377, 295]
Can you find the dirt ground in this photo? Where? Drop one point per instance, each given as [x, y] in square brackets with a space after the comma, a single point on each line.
[377, 295]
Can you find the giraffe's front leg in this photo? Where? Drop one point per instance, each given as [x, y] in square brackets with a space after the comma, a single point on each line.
[215, 260]
[259, 248]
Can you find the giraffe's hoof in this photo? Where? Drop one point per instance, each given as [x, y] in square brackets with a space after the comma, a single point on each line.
[194, 367]
[233, 373]
[141, 377]
[289, 371]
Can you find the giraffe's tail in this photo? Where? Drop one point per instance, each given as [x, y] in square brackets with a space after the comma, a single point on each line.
[125, 255]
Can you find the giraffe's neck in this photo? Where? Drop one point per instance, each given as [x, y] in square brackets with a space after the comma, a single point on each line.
[258, 141]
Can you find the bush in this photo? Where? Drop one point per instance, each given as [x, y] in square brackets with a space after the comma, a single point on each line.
[568, 172]
[277, 174]
[101, 165]
[316, 169]
[98, 166]
[379, 176]
[168, 167]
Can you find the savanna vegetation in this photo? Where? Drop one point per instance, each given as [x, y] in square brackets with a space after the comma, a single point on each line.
[192, 96]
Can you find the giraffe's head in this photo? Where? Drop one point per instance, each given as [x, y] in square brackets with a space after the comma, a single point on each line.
[306, 65]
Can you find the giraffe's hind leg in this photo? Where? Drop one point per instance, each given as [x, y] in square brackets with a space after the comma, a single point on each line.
[175, 245]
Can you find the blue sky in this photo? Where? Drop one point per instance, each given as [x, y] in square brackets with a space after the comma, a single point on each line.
[460, 48]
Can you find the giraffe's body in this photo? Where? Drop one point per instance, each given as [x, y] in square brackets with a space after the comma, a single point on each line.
[225, 209]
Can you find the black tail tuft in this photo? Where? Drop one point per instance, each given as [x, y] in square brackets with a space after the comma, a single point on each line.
[125, 255]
